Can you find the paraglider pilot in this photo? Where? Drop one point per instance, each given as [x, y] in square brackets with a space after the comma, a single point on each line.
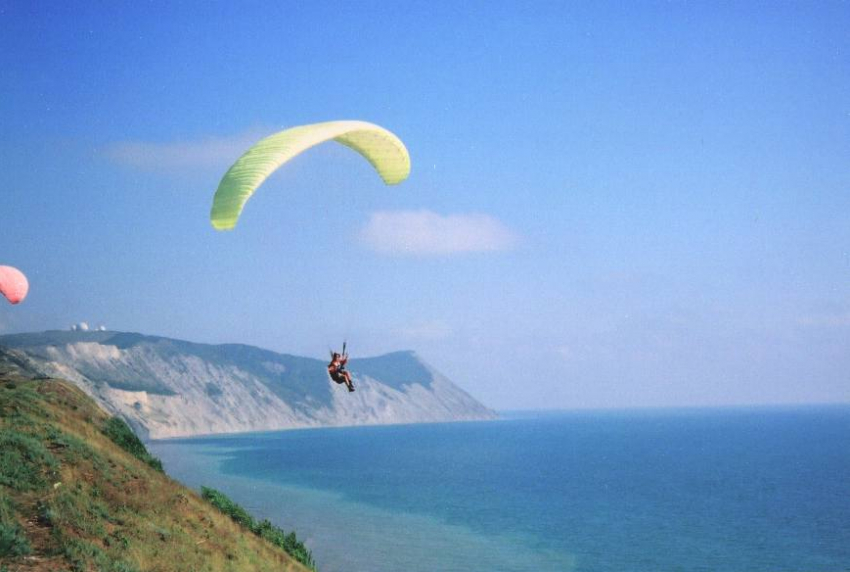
[337, 370]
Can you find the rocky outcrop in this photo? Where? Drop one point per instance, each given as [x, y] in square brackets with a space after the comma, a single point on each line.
[172, 388]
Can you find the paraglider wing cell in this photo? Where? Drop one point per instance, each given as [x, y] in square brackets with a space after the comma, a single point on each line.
[386, 153]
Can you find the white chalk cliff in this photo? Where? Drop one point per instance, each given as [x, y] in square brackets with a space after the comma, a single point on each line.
[171, 388]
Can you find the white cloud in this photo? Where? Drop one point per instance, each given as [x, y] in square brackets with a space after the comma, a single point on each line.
[179, 156]
[424, 232]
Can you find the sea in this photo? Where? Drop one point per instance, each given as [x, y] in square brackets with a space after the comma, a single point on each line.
[720, 490]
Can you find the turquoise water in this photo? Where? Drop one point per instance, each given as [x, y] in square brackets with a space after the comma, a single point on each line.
[688, 490]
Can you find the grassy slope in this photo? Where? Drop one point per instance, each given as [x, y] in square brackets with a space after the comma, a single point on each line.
[71, 499]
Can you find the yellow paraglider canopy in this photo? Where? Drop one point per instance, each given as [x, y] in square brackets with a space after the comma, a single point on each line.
[382, 149]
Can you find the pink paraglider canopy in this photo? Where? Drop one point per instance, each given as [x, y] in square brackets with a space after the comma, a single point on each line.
[13, 284]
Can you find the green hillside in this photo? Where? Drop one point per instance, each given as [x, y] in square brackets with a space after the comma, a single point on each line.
[79, 492]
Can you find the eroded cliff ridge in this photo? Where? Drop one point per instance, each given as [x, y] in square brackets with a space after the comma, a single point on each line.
[173, 388]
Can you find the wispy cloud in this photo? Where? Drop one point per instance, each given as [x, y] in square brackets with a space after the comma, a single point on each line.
[424, 232]
[181, 156]
[565, 352]
[426, 331]
[836, 320]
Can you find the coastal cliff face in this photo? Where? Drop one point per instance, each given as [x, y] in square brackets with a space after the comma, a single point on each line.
[171, 388]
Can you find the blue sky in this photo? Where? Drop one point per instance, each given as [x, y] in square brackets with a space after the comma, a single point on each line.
[609, 205]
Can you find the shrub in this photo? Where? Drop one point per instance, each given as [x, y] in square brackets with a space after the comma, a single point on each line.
[223, 503]
[23, 461]
[84, 556]
[121, 434]
[289, 543]
[13, 541]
